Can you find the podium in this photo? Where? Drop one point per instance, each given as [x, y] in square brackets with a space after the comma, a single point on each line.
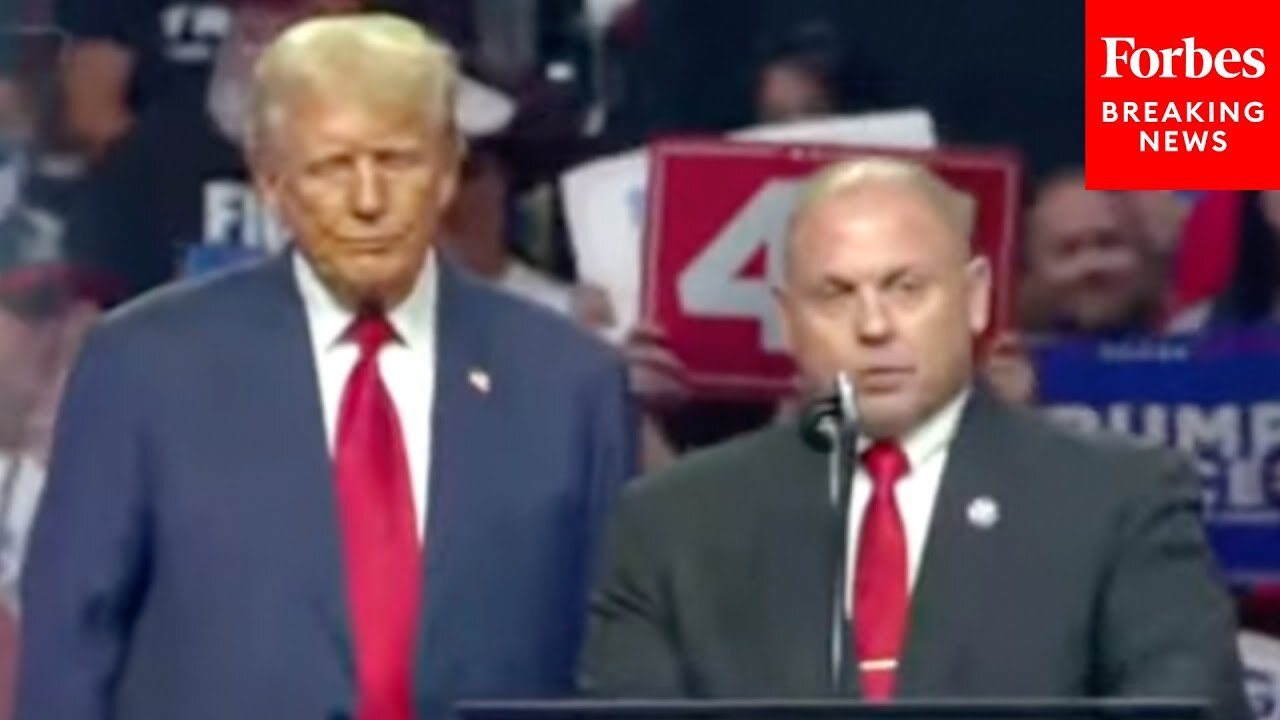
[785, 709]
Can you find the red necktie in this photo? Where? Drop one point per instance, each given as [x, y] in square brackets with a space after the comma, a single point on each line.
[880, 584]
[379, 532]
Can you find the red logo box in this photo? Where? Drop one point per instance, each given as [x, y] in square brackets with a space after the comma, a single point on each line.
[1182, 94]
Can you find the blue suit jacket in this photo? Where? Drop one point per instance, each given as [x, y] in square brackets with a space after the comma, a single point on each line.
[185, 562]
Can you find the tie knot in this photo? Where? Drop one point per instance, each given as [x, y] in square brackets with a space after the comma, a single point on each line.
[886, 463]
[370, 330]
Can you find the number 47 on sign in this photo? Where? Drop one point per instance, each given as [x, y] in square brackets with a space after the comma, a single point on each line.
[717, 221]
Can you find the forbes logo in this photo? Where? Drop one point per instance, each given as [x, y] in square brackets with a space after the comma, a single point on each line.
[1123, 54]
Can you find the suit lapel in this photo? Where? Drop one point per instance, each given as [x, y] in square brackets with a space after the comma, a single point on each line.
[953, 554]
[303, 467]
[465, 455]
[463, 415]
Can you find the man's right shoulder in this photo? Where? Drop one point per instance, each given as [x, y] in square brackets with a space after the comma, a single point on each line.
[191, 309]
[734, 469]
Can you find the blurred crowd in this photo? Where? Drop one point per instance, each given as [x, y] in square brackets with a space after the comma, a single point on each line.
[120, 169]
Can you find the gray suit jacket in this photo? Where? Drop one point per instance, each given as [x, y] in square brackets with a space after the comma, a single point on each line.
[1096, 580]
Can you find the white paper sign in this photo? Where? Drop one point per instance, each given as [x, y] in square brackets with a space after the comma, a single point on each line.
[604, 204]
[604, 199]
[1260, 655]
[902, 129]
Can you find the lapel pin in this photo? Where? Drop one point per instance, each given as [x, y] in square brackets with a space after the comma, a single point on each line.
[480, 380]
[983, 513]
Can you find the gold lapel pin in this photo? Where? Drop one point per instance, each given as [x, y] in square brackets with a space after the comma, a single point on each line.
[480, 380]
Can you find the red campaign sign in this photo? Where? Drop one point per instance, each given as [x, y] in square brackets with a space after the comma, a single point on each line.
[715, 228]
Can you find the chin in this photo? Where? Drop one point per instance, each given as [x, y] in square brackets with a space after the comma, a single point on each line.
[891, 419]
[384, 289]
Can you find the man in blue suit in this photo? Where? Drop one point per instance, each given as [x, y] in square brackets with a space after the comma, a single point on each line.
[350, 482]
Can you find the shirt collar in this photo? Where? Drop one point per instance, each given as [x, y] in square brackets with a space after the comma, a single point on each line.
[413, 319]
[934, 434]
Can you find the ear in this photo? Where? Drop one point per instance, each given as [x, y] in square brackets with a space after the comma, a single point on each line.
[447, 188]
[979, 281]
[266, 178]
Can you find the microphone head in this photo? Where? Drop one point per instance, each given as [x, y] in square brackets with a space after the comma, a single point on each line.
[823, 421]
[820, 424]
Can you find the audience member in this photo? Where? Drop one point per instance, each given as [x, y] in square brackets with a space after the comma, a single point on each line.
[49, 297]
[44, 307]
[480, 231]
[1009, 369]
[20, 221]
[812, 70]
[803, 75]
[175, 187]
[127, 56]
[1086, 266]
[48, 301]
[1252, 295]
[1206, 250]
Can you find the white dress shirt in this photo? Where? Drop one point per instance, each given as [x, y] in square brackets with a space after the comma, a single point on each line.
[22, 480]
[407, 366]
[926, 448]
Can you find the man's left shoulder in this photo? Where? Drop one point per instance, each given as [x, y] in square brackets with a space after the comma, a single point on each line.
[1101, 461]
[540, 337]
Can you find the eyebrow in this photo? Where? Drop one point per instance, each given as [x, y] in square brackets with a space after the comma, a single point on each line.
[899, 273]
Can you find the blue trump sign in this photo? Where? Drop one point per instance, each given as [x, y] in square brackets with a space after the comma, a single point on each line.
[1216, 398]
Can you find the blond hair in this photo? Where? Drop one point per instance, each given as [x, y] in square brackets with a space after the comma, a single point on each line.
[956, 208]
[379, 59]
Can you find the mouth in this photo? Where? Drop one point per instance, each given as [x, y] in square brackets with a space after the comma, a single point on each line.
[1099, 282]
[368, 246]
[883, 379]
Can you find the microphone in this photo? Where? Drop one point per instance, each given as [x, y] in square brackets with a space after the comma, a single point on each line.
[829, 420]
[819, 426]
[830, 424]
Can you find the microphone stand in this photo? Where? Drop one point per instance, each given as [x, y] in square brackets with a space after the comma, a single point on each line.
[830, 424]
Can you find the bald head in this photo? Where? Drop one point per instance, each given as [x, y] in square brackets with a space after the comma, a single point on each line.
[378, 61]
[955, 210]
[881, 284]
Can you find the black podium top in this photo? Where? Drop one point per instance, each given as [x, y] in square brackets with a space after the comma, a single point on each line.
[1021, 709]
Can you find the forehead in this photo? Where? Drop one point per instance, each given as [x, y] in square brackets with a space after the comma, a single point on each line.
[782, 75]
[1270, 200]
[314, 119]
[1068, 210]
[876, 223]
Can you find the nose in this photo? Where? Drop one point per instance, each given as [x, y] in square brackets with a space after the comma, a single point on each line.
[368, 191]
[871, 318]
